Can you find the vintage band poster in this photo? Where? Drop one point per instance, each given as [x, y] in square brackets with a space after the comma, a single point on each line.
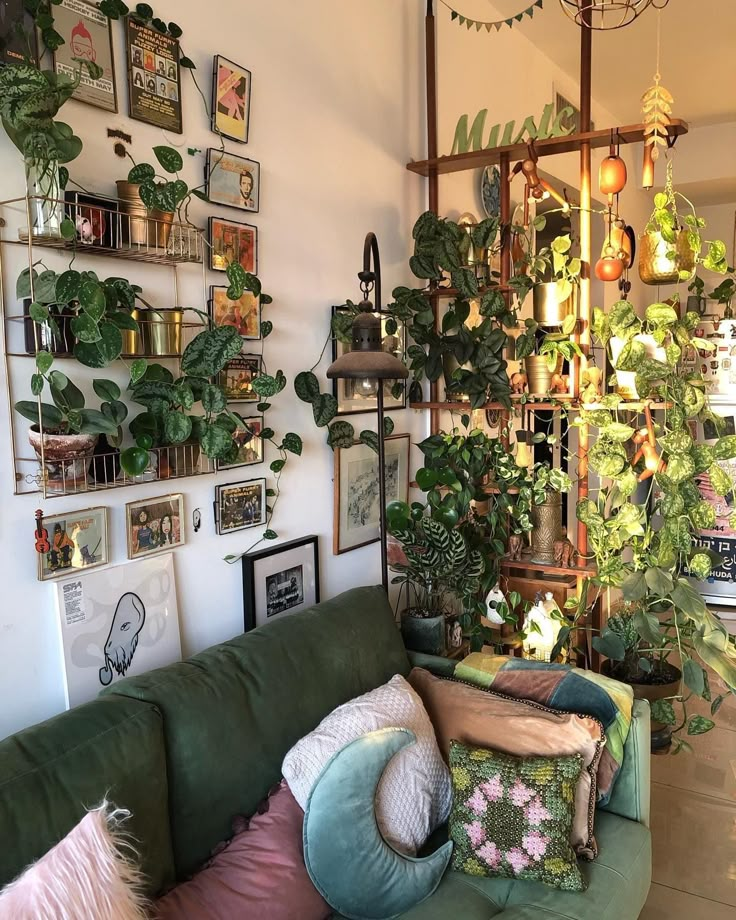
[154, 77]
[87, 34]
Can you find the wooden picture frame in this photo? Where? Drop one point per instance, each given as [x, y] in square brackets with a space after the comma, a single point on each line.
[231, 94]
[240, 506]
[78, 541]
[154, 533]
[280, 581]
[355, 514]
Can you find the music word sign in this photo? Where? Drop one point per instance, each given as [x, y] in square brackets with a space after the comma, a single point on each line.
[476, 139]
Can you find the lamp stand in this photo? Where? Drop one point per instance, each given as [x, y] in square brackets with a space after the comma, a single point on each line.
[383, 536]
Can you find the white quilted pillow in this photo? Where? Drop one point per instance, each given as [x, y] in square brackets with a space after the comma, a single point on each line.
[415, 792]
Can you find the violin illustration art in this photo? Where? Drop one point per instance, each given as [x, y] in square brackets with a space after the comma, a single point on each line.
[42, 535]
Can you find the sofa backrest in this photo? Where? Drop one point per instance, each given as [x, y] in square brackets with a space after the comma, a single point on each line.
[52, 772]
[232, 712]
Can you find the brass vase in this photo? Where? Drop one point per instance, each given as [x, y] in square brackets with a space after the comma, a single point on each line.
[661, 262]
[549, 310]
[162, 331]
[538, 374]
[547, 520]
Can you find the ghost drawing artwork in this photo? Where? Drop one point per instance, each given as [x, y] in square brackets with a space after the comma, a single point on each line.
[130, 615]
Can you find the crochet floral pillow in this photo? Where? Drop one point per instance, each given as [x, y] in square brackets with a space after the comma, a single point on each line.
[512, 816]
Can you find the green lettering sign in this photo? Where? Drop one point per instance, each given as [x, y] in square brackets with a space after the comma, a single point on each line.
[466, 141]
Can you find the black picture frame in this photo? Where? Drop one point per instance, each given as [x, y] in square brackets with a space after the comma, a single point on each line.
[245, 300]
[351, 404]
[225, 523]
[12, 11]
[217, 162]
[217, 116]
[147, 104]
[218, 260]
[253, 614]
[102, 214]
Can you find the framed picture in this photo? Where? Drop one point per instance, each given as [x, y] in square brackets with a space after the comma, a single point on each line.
[154, 77]
[118, 622]
[237, 377]
[77, 540]
[233, 181]
[240, 505]
[355, 396]
[231, 241]
[87, 34]
[13, 48]
[154, 525]
[231, 86]
[356, 516]
[95, 217]
[243, 314]
[280, 580]
[248, 443]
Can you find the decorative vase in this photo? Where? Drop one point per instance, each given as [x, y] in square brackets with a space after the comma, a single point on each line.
[45, 203]
[539, 376]
[161, 331]
[549, 310]
[141, 227]
[547, 520]
[424, 634]
[661, 262]
[65, 459]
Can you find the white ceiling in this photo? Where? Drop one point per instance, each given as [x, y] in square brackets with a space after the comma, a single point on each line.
[698, 58]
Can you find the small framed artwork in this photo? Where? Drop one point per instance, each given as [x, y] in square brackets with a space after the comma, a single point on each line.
[243, 314]
[280, 580]
[154, 76]
[356, 517]
[15, 47]
[354, 396]
[87, 34]
[233, 181]
[248, 446]
[237, 377]
[231, 85]
[230, 242]
[77, 541]
[154, 525]
[240, 505]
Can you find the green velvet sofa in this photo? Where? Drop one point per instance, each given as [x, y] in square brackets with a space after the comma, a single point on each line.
[189, 746]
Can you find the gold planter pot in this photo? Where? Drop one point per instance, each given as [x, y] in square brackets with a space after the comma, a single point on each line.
[133, 345]
[141, 227]
[547, 519]
[538, 374]
[549, 310]
[162, 331]
[661, 262]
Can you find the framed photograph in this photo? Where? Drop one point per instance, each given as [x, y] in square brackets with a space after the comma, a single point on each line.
[116, 623]
[237, 378]
[240, 505]
[231, 87]
[280, 580]
[87, 34]
[231, 241]
[243, 314]
[154, 76]
[154, 525]
[12, 47]
[248, 443]
[354, 396]
[77, 540]
[356, 515]
[95, 217]
[233, 181]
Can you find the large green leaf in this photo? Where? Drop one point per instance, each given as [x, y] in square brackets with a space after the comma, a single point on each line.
[663, 711]
[95, 422]
[208, 353]
[67, 286]
[658, 581]
[92, 299]
[110, 345]
[213, 398]
[324, 409]
[610, 645]
[106, 389]
[169, 159]
[215, 441]
[694, 676]
[699, 725]
[370, 439]
[634, 587]
[177, 427]
[141, 172]
[293, 443]
[341, 434]
[85, 329]
[51, 417]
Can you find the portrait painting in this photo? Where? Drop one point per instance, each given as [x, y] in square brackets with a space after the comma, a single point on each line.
[76, 540]
[233, 181]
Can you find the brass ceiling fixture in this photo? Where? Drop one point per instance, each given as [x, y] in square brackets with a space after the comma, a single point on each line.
[605, 15]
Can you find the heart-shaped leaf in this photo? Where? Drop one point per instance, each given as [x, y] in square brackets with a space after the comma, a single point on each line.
[324, 408]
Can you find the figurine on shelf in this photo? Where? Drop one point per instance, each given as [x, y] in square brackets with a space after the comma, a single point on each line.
[590, 383]
[495, 597]
[456, 635]
[516, 544]
[560, 383]
[518, 383]
[566, 556]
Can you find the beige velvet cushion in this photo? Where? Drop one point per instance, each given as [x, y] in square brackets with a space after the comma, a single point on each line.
[484, 719]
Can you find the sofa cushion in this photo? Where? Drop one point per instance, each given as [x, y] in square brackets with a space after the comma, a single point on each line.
[232, 712]
[51, 773]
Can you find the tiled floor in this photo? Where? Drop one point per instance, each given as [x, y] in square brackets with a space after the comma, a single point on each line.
[694, 825]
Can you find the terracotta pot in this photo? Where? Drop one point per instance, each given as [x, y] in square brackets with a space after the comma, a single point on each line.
[661, 733]
[547, 519]
[657, 265]
[65, 459]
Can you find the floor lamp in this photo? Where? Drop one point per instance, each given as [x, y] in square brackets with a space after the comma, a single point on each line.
[368, 361]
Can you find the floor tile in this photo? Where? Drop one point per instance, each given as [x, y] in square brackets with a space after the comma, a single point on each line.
[710, 769]
[694, 842]
[669, 904]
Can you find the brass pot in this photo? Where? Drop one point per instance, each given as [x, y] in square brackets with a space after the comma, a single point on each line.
[538, 374]
[133, 344]
[549, 310]
[141, 227]
[547, 519]
[661, 262]
[162, 331]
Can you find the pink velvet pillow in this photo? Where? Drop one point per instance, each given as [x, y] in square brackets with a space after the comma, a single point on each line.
[259, 874]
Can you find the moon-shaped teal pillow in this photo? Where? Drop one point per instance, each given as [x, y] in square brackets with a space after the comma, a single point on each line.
[354, 869]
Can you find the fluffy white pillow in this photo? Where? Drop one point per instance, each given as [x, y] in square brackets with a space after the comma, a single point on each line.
[415, 792]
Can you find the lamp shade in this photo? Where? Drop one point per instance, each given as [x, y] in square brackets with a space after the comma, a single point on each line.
[367, 357]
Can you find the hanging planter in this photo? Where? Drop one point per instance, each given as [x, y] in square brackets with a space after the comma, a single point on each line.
[661, 262]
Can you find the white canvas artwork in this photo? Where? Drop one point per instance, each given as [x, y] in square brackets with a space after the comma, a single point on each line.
[116, 623]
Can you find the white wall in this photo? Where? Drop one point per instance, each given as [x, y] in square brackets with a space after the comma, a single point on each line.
[337, 112]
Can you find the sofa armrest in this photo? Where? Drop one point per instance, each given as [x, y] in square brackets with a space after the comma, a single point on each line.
[630, 797]
[442, 667]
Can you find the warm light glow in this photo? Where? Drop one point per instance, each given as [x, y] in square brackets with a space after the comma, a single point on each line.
[647, 173]
[539, 644]
[524, 458]
[366, 387]
[612, 175]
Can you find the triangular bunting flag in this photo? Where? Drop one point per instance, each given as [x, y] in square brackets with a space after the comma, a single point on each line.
[488, 25]
[478, 26]
[462, 20]
[519, 17]
[538, 3]
[530, 12]
[469, 23]
[498, 26]
[453, 14]
[509, 22]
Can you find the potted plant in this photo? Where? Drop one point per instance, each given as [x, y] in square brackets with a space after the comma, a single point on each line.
[547, 487]
[556, 273]
[544, 361]
[64, 433]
